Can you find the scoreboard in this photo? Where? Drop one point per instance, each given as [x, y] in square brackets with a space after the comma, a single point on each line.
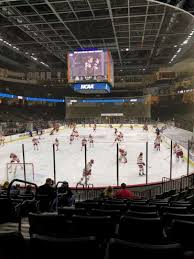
[90, 67]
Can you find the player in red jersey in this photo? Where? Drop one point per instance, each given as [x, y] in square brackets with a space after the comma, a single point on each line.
[84, 142]
[123, 154]
[91, 140]
[35, 142]
[179, 153]
[140, 164]
[56, 144]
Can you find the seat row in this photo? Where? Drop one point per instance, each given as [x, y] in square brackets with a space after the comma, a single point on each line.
[14, 246]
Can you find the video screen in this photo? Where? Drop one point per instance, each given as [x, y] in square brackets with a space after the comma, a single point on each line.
[90, 66]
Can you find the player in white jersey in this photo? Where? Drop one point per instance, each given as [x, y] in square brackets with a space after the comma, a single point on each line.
[116, 130]
[179, 153]
[140, 164]
[56, 144]
[117, 139]
[86, 172]
[157, 142]
[14, 158]
[71, 139]
[145, 127]
[76, 134]
[2, 140]
[35, 142]
[122, 157]
[91, 140]
[175, 147]
[84, 142]
[121, 136]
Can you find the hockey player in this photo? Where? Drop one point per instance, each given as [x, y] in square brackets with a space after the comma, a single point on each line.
[140, 164]
[117, 139]
[71, 139]
[121, 136]
[115, 131]
[35, 142]
[157, 131]
[91, 140]
[2, 140]
[175, 147]
[131, 127]
[123, 154]
[179, 153]
[76, 134]
[57, 144]
[52, 132]
[157, 142]
[94, 128]
[86, 172]
[14, 158]
[145, 127]
[84, 142]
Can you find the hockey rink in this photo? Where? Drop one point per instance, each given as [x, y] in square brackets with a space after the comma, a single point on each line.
[70, 159]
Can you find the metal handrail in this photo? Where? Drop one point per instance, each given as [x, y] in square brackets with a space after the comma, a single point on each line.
[20, 181]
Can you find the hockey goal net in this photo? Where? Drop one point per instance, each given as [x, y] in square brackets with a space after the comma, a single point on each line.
[16, 171]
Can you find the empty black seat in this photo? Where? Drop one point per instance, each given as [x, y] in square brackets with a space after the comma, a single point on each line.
[181, 204]
[50, 247]
[12, 245]
[142, 214]
[175, 210]
[182, 232]
[87, 205]
[143, 208]
[114, 214]
[119, 249]
[7, 210]
[100, 226]
[169, 217]
[50, 224]
[121, 207]
[69, 211]
[135, 229]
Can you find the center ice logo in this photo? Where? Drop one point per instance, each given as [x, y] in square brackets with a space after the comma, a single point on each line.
[87, 86]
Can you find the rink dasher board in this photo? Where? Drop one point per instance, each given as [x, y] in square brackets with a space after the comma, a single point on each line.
[166, 140]
[22, 136]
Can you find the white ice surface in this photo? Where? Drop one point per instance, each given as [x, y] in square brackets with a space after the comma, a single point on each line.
[70, 158]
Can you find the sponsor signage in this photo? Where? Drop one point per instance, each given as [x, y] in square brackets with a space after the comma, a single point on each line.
[92, 87]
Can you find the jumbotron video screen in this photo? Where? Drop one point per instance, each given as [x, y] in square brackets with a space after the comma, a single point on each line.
[90, 66]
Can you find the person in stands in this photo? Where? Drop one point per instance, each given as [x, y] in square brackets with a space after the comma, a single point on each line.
[124, 193]
[65, 195]
[108, 192]
[46, 194]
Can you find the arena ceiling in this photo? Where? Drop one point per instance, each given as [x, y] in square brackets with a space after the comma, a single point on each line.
[142, 35]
